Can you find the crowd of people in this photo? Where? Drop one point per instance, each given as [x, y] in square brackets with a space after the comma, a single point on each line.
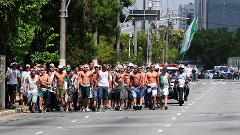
[88, 87]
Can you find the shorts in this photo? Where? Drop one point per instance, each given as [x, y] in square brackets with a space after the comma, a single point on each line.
[102, 92]
[60, 93]
[12, 88]
[152, 88]
[94, 92]
[164, 92]
[32, 97]
[43, 93]
[119, 92]
[72, 95]
[128, 93]
[86, 91]
[137, 92]
[21, 90]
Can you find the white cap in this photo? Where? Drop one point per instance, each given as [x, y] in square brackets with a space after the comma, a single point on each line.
[14, 63]
[60, 66]
[157, 66]
[27, 65]
[51, 65]
[85, 66]
[130, 65]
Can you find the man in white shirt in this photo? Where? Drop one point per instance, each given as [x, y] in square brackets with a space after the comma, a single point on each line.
[13, 77]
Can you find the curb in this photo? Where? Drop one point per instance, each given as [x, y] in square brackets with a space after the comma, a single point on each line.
[14, 111]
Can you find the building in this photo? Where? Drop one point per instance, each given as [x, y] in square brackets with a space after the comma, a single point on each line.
[186, 11]
[218, 13]
[201, 11]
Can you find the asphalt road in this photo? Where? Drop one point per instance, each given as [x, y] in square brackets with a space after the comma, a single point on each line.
[212, 109]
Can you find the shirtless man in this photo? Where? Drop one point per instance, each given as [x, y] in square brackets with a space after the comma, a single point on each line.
[86, 81]
[136, 87]
[44, 81]
[94, 90]
[127, 83]
[119, 82]
[60, 91]
[153, 87]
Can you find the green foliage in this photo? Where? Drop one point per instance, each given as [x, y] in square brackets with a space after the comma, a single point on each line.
[214, 46]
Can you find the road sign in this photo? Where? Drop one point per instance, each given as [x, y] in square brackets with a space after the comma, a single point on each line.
[145, 14]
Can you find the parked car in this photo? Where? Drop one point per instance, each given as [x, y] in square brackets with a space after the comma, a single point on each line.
[208, 74]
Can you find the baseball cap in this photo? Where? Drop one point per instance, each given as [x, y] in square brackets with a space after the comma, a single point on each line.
[60, 66]
[130, 65]
[164, 68]
[14, 63]
[27, 65]
[51, 65]
[85, 66]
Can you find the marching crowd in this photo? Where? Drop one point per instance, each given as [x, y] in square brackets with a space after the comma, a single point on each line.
[88, 87]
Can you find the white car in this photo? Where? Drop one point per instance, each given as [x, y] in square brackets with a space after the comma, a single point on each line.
[208, 74]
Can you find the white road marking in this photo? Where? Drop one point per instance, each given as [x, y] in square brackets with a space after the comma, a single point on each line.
[189, 104]
[86, 116]
[193, 102]
[204, 83]
[38, 133]
[74, 121]
[173, 118]
[186, 107]
[168, 125]
[178, 113]
[159, 130]
[59, 127]
[213, 83]
[223, 83]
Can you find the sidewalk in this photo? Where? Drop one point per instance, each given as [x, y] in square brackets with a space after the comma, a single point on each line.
[18, 109]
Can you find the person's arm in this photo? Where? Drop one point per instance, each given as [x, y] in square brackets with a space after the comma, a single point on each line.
[48, 80]
[169, 81]
[158, 82]
[25, 84]
[109, 81]
[38, 85]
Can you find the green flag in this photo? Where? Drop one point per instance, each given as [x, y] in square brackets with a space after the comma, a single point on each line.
[188, 36]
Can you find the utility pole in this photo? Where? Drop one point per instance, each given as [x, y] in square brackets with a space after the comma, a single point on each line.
[63, 33]
[63, 15]
[167, 25]
[118, 36]
[135, 31]
[2, 81]
[144, 22]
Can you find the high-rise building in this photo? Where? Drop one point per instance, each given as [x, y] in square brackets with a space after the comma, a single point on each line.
[218, 13]
[186, 11]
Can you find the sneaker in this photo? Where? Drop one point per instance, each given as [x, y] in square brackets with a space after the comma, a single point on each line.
[40, 111]
[120, 109]
[166, 107]
[185, 99]
[140, 107]
[154, 108]
[83, 109]
[87, 110]
[20, 103]
[134, 107]
[93, 108]
[125, 107]
[61, 109]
